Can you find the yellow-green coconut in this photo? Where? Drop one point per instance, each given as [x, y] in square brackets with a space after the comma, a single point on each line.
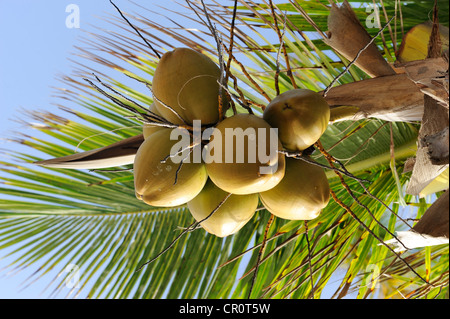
[187, 82]
[301, 117]
[242, 156]
[302, 193]
[232, 215]
[156, 183]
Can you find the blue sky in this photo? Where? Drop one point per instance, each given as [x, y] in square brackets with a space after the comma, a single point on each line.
[35, 47]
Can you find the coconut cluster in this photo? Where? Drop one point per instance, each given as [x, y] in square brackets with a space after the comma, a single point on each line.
[223, 188]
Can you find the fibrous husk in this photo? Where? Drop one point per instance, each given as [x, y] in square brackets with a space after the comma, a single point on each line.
[430, 76]
[300, 115]
[230, 217]
[435, 119]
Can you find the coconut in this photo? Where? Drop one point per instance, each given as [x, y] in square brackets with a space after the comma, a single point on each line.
[159, 184]
[242, 156]
[232, 215]
[302, 193]
[301, 117]
[149, 128]
[187, 82]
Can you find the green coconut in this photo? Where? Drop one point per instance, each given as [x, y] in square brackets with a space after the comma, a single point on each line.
[158, 183]
[232, 215]
[301, 117]
[187, 82]
[302, 193]
[237, 168]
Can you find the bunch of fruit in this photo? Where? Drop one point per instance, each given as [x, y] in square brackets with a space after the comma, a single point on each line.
[230, 179]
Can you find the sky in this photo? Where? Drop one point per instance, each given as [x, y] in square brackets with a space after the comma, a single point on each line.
[36, 44]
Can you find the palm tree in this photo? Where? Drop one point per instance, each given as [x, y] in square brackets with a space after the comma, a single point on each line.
[90, 220]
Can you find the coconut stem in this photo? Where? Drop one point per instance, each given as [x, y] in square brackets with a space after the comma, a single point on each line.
[147, 117]
[245, 72]
[230, 50]
[241, 99]
[341, 113]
